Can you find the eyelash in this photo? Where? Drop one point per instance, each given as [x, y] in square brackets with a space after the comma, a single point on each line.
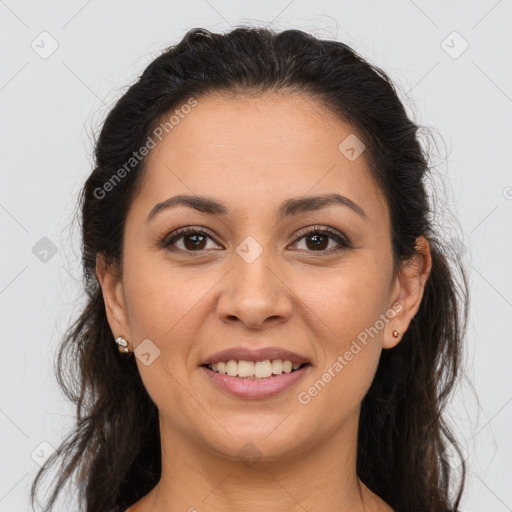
[315, 230]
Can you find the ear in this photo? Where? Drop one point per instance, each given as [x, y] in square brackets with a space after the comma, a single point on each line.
[109, 277]
[408, 291]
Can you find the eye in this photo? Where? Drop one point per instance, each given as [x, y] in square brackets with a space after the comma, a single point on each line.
[320, 237]
[193, 239]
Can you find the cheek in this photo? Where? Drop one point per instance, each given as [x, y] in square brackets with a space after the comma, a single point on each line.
[151, 290]
[351, 307]
[165, 304]
[348, 302]
[165, 308]
[347, 364]
[152, 302]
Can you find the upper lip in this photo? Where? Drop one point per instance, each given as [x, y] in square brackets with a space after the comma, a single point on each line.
[249, 354]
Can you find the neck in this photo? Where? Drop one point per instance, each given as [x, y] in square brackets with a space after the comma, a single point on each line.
[320, 476]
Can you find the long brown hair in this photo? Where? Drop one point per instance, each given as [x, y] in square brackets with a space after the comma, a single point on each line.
[115, 447]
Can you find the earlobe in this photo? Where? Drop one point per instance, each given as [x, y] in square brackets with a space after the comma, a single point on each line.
[112, 289]
[410, 282]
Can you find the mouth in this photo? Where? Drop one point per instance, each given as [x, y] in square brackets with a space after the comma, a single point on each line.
[255, 379]
[255, 370]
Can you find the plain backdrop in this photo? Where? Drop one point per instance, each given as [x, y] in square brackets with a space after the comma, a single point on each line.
[64, 64]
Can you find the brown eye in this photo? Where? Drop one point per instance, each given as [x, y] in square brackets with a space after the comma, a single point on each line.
[317, 240]
[194, 240]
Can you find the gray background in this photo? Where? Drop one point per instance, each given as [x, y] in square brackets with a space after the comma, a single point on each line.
[52, 104]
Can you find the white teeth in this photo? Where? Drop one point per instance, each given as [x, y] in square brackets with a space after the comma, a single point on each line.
[245, 369]
[263, 369]
[254, 370]
[232, 368]
[277, 367]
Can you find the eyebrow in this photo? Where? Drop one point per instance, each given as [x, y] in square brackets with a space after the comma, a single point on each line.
[290, 207]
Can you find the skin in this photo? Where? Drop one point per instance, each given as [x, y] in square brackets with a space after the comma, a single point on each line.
[252, 154]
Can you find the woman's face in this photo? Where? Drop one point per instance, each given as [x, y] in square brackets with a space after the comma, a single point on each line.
[253, 277]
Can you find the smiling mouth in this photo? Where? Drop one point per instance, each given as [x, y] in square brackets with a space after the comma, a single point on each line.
[250, 370]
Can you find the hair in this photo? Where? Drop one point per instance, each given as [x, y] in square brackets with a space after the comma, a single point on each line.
[403, 432]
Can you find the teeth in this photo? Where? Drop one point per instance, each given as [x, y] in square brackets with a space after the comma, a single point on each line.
[254, 370]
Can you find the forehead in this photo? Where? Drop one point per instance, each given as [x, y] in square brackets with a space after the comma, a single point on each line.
[255, 152]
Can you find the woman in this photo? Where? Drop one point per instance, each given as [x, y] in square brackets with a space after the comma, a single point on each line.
[257, 233]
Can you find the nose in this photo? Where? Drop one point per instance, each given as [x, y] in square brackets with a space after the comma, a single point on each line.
[255, 294]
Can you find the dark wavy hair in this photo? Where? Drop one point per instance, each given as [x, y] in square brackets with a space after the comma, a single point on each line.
[115, 447]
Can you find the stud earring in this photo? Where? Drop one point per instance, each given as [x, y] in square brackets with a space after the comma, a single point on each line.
[396, 334]
[123, 346]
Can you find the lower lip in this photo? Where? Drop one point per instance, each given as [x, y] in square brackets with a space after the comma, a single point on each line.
[264, 388]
